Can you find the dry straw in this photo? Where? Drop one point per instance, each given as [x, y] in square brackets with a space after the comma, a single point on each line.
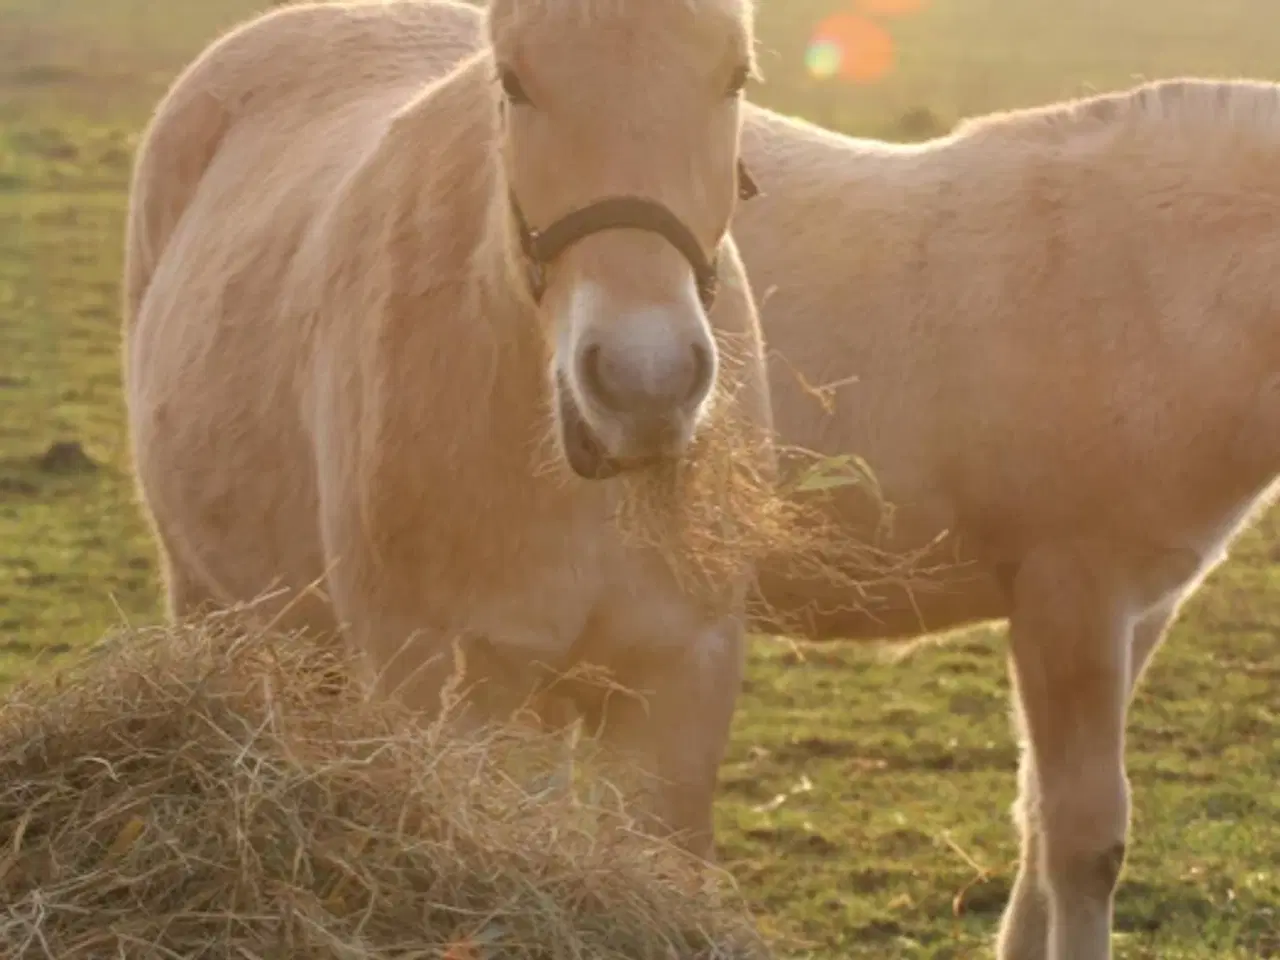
[720, 511]
[198, 794]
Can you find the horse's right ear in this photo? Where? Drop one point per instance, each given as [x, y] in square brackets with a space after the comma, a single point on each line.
[747, 187]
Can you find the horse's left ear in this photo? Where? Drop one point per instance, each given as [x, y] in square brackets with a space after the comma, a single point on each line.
[746, 183]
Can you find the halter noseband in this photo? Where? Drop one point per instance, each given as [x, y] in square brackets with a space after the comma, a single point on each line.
[542, 247]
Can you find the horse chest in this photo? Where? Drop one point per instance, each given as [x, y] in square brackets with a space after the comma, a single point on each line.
[542, 615]
[598, 604]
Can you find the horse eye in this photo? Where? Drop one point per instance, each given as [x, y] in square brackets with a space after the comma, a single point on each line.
[513, 89]
[738, 82]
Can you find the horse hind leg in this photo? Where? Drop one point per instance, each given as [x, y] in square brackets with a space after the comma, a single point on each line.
[1024, 928]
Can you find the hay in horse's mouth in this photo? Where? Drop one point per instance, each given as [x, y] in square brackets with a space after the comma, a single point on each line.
[582, 448]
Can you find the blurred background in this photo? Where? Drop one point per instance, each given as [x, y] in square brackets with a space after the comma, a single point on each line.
[894, 68]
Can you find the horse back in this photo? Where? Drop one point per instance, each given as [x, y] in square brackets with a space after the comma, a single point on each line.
[292, 68]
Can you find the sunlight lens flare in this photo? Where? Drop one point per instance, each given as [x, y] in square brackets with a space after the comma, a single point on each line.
[822, 59]
[850, 46]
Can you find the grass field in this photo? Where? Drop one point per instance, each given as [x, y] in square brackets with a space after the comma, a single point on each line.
[864, 806]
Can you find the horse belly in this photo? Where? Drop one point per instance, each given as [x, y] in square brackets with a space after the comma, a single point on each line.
[939, 591]
[904, 564]
[222, 464]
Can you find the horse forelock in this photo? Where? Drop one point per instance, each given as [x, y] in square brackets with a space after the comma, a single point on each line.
[518, 14]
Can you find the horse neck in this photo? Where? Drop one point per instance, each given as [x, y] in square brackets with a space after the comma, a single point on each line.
[484, 326]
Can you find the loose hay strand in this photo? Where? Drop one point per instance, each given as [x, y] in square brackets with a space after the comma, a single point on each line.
[191, 792]
[724, 510]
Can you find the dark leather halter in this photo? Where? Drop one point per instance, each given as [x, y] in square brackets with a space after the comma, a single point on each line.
[542, 247]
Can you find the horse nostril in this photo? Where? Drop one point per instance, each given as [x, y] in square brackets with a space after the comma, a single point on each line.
[592, 377]
[703, 372]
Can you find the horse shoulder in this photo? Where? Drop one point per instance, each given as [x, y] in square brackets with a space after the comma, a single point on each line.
[400, 380]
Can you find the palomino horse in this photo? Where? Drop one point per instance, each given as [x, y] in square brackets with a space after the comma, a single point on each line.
[1059, 335]
[406, 286]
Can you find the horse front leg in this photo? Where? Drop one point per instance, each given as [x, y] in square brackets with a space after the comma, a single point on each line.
[672, 729]
[1070, 634]
[1024, 928]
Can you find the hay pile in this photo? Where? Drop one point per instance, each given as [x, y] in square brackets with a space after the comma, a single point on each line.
[192, 794]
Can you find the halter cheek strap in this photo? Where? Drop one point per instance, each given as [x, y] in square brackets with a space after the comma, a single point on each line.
[542, 247]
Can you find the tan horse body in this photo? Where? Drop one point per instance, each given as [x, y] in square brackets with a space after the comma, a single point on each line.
[1057, 338]
[338, 371]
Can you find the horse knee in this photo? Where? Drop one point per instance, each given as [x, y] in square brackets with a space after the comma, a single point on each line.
[686, 811]
[1063, 909]
[1084, 843]
[1108, 866]
[185, 597]
[1093, 875]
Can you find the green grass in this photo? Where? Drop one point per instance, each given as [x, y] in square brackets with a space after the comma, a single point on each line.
[895, 779]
